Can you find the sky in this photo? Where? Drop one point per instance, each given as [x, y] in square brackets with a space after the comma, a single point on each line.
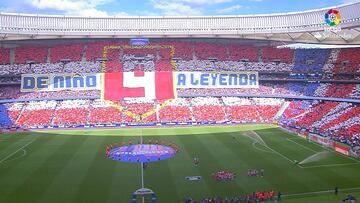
[103, 8]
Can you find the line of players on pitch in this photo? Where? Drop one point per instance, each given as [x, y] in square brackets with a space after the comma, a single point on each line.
[269, 196]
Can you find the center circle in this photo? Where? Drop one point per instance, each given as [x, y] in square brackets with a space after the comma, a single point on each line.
[141, 153]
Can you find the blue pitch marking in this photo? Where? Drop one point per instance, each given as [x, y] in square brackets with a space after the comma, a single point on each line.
[141, 153]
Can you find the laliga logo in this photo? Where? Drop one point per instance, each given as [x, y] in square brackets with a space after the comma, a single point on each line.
[332, 17]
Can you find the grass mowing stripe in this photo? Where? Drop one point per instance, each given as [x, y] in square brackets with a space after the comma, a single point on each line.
[97, 182]
[273, 164]
[182, 166]
[51, 167]
[152, 180]
[278, 144]
[240, 146]
[65, 183]
[312, 143]
[13, 143]
[330, 165]
[303, 146]
[103, 180]
[278, 153]
[207, 165]
[25, 145]
[320, 192]
[149, 131]
[125, 180]
[13, 174]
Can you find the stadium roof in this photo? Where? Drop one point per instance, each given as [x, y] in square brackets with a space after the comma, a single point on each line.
[304, 27]
[317, 46]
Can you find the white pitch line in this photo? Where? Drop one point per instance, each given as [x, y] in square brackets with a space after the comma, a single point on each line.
[338, 153]
[2, 160]
[278, 153]
[24, 154]
[15, 140]
[320, 192]
[329, 149]
[283, 156]
[255, 147]
[305, 147]
[306, 167]
[330, 165]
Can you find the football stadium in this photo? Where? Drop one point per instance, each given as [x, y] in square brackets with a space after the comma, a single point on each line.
[181, 109]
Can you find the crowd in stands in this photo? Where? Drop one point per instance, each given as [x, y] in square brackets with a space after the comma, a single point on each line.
[147, 62]
[12, 92]
[71, 112]
[74, 52]
[4, 55]
[348, 60]
[140, 111]
[51, 68]
[103, 113]
[339, 121]
[255, 110]
[282, 89]
[210, 65]
[208, 109]
[196, 55]
[37, 113]
[80, 112]
[176, 110]
[271, 53]
[36, 54]
[310, 60]
[286, 89]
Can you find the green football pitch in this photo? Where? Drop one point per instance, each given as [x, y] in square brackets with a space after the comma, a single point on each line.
[71, 166]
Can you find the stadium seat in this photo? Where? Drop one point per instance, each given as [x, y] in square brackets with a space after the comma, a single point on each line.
[4, 56]
[37, 54]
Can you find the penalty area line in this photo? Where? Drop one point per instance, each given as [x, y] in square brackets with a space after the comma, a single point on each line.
[21, 148]
[305, 147]
[329, 149]
[271, 149]
[283, 156]
[330, 165]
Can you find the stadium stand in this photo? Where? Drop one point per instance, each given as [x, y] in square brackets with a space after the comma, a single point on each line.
[183, 50]
[210, 50]
[243, 52]
[37, 114]
[37, 54]
[71, 112]
[178, 110]
[207, 109]
[139, 108]
[338, 120]
[283, 73]
[310, 60]
[4, 56]
[348, 61]
[74, 52]
[103, 113]
[271, 54]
